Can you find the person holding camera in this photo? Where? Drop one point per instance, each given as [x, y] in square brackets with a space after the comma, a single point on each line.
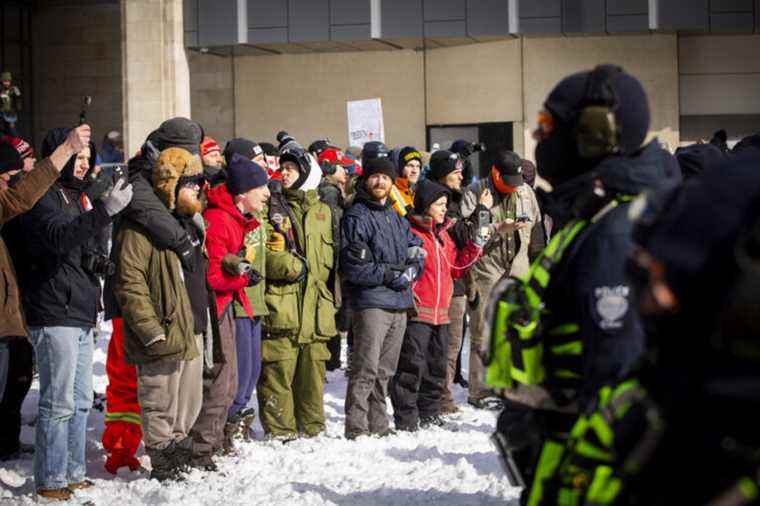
[230, 215]
[516, 238]
[59, 265]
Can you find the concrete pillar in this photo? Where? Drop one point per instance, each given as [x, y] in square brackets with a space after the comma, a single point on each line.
[156, 79]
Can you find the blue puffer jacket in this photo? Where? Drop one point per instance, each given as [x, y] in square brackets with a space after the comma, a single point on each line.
[374, 242]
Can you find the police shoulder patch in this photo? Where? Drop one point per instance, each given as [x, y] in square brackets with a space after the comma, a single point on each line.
[611, 305]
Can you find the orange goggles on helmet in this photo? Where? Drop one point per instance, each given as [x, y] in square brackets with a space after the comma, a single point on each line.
[545, 126]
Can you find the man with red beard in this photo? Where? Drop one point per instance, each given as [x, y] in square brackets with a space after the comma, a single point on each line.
[165, 307]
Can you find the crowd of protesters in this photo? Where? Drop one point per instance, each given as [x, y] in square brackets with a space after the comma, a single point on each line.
[233, 274]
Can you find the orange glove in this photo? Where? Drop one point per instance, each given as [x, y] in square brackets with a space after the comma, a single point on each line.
[121, 440]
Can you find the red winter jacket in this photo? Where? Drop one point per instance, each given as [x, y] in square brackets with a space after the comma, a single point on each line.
[444, 263]
[225, 234]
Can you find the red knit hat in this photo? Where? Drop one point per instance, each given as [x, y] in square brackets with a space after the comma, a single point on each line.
[209, 145]
[22, 147]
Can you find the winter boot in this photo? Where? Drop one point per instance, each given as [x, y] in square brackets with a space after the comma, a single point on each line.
[386, 433]
[431, 421]
[164, 463]
[204, 463]
[247, 416]
[231, 432]
[54, 495]
[450, 409]
[412, 427]
[183, 454]
[81, 485]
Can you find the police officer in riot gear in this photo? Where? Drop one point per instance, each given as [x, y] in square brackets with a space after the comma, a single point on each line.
[569, 327]
[682, 427]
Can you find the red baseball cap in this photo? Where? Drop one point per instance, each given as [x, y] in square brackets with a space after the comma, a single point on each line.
[334, 156]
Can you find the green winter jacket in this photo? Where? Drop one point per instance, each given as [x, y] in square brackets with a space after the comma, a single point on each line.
[153, 300]
[302, 307]
[255, 243]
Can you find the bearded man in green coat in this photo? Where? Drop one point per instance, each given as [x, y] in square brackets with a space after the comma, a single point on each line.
[300, 278]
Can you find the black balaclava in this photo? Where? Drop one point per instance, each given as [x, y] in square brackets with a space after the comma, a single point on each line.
[558, 159]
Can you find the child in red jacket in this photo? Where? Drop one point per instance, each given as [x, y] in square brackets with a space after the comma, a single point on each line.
[417, 387]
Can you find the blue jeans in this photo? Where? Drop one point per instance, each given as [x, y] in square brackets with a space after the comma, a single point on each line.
[248, 344]
[64, 360]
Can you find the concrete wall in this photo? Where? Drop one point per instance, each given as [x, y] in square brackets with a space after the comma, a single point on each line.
[474, 84]
[719, 74]
[77, 52]
[504, 81]
[306, 94]
[212, 94]
[651, 58]
[156, 79]
[719, 86]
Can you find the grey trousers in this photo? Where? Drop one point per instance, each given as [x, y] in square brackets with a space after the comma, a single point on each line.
[457, 310]
[378, 335]
[479, 341]
[170, 394]
[219, 389]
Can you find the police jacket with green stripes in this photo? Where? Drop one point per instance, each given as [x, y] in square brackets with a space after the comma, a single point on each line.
[592, 289]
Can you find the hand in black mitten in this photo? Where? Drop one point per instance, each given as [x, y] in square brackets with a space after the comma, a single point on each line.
[254, 278]
[184, 251]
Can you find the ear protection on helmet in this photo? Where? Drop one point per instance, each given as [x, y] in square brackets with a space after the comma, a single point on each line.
[597, 131]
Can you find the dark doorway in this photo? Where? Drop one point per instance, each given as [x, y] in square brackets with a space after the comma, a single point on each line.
[16, 55]
[495, 136]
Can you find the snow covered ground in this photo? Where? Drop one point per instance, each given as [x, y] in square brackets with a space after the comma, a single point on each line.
[455, 466]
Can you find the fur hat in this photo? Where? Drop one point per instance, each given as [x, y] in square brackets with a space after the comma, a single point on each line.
[174, 163]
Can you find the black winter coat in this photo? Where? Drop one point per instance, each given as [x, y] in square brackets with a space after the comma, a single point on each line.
[47, 245]
[374, 242]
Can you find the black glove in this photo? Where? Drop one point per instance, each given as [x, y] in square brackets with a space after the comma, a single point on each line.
[184, 251]
[392, 272]
[254, 277]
